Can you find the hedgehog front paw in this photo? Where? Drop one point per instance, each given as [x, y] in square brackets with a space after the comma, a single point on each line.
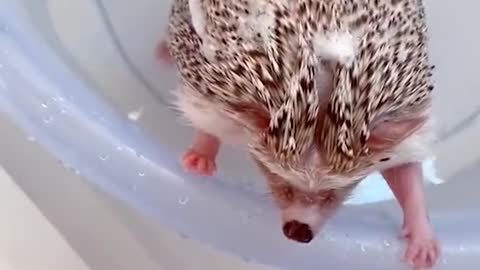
[162, 53]
[422, 248]
[200, 158]
[198, 163]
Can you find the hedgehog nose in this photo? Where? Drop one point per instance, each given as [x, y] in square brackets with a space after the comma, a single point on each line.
[297, 231]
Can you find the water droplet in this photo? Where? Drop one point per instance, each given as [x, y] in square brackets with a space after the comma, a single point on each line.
[141, 174]
[72, 169]
[57, 98]
[69, 167]
[183, 201]
[103, 158]
[44, 105]
[119, 148]
[48, 120]
[386, 243]
[63, 111]
[31, 138]
[461, 248]
[362, 248]
[135, 115]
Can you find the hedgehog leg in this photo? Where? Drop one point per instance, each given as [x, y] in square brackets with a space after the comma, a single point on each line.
[200, 157]
[405, 182]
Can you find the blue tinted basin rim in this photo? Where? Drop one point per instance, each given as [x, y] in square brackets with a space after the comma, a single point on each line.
[45, 98]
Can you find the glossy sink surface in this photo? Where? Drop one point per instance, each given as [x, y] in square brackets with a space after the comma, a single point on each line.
[79, 84]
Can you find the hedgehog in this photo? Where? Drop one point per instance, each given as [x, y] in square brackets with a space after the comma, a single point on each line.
[322, 93]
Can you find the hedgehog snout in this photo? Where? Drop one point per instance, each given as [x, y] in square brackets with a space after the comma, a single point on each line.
[302, 222]
[298, 231]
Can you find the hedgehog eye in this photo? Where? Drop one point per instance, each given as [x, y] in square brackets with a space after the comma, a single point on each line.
[328, 197]
[288, 193]
[384, 159]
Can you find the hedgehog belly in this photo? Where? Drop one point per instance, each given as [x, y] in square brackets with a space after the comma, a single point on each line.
[205, 116]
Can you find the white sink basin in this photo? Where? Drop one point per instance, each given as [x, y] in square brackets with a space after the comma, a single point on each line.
[80, 85]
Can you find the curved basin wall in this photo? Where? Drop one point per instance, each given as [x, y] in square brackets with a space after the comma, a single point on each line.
[91, 93]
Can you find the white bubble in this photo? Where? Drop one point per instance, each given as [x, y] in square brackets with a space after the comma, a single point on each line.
[141, 174]
[386, 243]
[48, 119]
[104, 157]
[183, 201]
[135, 115]
[44, 105]
[363, 248]
[31, 138]
[119, 148]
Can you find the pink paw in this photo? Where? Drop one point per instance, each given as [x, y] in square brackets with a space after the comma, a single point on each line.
[201, 164]
[163, 53]
[422, 248]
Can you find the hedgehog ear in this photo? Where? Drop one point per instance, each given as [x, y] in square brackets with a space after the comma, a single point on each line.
[389, 134]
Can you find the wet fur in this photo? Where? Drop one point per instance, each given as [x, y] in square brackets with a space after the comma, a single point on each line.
[207, 117]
